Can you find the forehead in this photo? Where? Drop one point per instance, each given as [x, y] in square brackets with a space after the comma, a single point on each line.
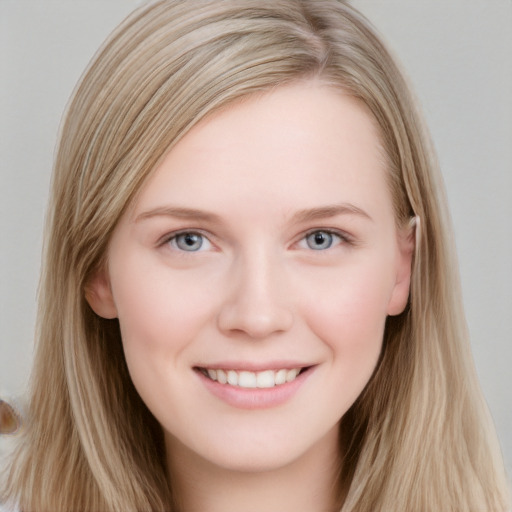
[301, 143]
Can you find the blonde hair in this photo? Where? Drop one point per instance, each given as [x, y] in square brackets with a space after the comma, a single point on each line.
[419, 438]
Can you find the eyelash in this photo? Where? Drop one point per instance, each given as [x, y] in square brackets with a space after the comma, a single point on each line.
[172, 237]
[343, 238]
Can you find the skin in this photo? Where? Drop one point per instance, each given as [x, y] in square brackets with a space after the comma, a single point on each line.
[261, 177]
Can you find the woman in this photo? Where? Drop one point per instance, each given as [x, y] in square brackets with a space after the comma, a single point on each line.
[249, 295]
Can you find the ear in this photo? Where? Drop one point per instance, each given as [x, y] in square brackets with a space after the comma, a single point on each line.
[98, 294]
[406, 246]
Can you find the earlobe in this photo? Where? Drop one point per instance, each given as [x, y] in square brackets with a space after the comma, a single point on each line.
[98, 294]
[407, 244]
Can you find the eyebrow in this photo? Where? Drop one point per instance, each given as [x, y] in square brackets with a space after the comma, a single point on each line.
[306, 215]
[325, 212]
[179, 212]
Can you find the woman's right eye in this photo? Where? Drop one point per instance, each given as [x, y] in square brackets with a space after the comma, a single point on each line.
[189, 241]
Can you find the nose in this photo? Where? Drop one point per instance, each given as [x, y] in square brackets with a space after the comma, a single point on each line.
[258, 303]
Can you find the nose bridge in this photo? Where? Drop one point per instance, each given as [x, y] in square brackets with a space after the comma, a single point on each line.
[258, 303]
[258, 270]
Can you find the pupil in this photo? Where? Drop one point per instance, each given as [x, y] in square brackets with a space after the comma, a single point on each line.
[190, 239]
[189, 242]
[319, 238]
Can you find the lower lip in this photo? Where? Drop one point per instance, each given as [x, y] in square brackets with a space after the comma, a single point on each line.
[255, 398]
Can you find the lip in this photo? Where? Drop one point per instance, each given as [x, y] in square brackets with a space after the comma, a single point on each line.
[254, 366]
[255, 398]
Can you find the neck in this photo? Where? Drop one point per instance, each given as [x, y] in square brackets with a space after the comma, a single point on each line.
[307, 484]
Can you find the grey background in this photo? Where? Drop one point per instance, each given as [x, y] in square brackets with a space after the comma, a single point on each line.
[458, 55]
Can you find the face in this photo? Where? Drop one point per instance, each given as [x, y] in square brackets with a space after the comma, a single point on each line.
[253, 275]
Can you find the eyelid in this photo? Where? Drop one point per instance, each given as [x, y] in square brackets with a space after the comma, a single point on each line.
[344, 237]
[168, 237]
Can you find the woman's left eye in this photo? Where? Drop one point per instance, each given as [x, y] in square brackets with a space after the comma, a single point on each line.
[320, 240]
[190, 241]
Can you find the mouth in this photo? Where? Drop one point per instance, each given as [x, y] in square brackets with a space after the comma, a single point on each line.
[264, 379]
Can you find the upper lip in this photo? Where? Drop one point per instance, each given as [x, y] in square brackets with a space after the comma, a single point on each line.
[253, 366]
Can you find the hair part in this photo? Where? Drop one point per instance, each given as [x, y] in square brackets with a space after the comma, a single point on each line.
[91, 443]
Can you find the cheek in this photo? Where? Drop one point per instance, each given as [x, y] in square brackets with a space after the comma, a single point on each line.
[348, 313]
[160, 310]
[353, 299]
[160, 314]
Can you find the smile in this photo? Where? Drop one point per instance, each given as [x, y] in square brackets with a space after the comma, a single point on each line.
[252, 380]
[254, 388]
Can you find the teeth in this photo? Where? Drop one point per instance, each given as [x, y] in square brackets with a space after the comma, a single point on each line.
[222, 377]
[281, 377]
[266, 379]
[291, 374]
[247, 379]
[252, 380]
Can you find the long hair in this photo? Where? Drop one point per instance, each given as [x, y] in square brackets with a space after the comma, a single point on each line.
[419, 437]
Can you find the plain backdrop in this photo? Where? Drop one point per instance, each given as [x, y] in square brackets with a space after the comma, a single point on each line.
[458, 56]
